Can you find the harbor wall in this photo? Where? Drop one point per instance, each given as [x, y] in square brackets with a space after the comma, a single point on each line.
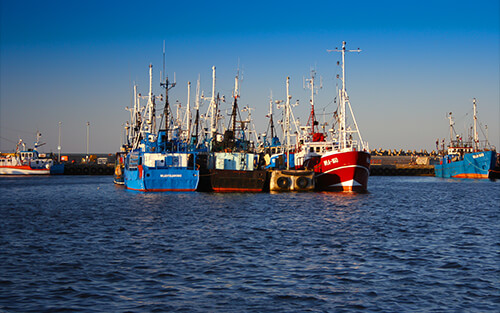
[407, 165]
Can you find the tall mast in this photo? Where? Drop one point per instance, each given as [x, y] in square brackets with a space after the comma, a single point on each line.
[133, 117]
[235, 105]
[167, 85]
[476, 138]
[212, 106]
[197, 120]
[343, 97]
[271, 122]
[312, 116]
[151, 109]
[287, 122]
[188, 112]
[451, 128]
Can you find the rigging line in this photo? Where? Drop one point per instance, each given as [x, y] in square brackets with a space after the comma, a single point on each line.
[8, 140]
[16, 130]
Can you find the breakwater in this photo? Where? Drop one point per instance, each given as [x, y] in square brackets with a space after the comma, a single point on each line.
[88, 169]
[402, 165]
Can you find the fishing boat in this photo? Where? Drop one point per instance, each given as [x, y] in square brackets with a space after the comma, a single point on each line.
[341, 159]
[233, 165]
[466, 158]
[157, 160]
[25, 161]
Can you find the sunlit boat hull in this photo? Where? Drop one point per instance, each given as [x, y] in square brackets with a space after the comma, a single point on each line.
[154, 180]
[343, 171]
[23, 170]
[473, 165]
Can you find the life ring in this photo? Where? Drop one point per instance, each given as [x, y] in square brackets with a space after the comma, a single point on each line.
[93, 170]
[100, 170]
[302, 182]
[283, 182]
[85, 170]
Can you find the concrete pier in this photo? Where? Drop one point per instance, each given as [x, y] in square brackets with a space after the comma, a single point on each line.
[401, 166]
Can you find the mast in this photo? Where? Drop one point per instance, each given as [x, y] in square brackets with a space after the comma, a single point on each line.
[167, 85]
[188, 113]
[287, 122]
[451, 128]
[312, 117]
[235, 105]
[271, 122]
[151, 121]
[212, 106]
[344, 98]
[197, 120]
[476, 138]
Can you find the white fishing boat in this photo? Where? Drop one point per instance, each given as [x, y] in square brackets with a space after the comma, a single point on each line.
[25, 161]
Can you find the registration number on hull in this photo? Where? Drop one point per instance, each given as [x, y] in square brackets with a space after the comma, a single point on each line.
[330, 161]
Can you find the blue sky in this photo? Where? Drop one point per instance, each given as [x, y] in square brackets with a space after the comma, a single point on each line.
[76, 61]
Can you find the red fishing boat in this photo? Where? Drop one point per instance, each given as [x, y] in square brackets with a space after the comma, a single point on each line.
[340, 160]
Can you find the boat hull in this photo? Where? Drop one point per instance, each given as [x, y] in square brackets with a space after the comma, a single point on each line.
[23, 170]
[343, 171]
[237, 180]
[155, 180]
[57, 169]
[473, 165]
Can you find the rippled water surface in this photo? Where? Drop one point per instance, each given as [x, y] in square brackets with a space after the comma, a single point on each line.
[79, 243]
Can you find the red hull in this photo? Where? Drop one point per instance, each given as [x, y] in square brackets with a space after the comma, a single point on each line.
[343, 171]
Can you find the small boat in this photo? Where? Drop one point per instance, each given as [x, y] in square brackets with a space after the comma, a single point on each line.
[341, 163]
[156, 160]
[466, 159]
[25, 161]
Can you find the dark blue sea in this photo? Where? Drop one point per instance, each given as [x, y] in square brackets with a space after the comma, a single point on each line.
[412, 244]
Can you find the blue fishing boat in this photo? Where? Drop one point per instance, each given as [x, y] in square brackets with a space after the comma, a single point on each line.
[468, 165]
[466, 158]
[157, 160]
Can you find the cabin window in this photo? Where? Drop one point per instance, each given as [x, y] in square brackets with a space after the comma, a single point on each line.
[311, 149]
[318, 149]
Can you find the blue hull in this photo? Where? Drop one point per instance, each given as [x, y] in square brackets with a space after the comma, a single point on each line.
[57, 169]
[473, 165]
[165, 179]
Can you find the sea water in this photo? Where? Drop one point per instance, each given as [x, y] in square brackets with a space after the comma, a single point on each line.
[411, 244]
